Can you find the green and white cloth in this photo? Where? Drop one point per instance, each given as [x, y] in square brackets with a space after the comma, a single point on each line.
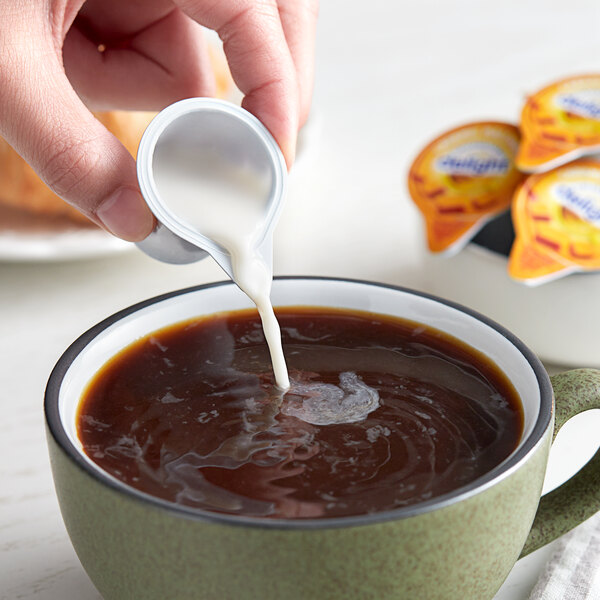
[573, 571]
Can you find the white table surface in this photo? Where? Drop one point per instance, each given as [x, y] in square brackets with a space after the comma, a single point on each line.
[390, 75]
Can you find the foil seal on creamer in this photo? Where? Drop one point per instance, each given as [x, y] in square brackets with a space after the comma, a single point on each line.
[557, 223]
[560, 123]
[462, 179]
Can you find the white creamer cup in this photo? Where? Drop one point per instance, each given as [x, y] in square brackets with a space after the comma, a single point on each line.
[197, 125]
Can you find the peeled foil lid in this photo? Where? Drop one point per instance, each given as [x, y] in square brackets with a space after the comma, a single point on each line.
[556, 216]
[464, 178]
[560, 123]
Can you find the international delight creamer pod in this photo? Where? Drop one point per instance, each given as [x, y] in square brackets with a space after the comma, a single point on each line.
[560, 123]
[557, 223]
[462, 179]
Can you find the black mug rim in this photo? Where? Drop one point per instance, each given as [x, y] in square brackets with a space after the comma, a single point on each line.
[500, 472]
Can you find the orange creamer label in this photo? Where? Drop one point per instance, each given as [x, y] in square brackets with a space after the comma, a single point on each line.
[557, 223]
[462, 179]
[560, 123]
[532, 267]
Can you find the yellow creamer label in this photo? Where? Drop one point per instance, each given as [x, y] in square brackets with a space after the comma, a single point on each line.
[560, 123]
[462, 179]
[557, 216]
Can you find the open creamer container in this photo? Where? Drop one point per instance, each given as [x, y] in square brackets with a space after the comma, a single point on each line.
[202, 160]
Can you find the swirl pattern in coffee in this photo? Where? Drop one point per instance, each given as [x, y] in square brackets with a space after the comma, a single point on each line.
[381, 413]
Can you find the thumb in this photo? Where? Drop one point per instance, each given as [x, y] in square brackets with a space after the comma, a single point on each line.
[74, 154]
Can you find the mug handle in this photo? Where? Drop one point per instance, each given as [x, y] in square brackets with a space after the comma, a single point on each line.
[579, 497]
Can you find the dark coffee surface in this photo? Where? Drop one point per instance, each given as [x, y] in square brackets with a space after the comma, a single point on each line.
[190, 414]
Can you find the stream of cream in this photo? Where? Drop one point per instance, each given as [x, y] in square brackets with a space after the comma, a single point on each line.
[227, 205]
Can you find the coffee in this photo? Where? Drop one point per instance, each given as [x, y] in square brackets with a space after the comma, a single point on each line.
[382, 413]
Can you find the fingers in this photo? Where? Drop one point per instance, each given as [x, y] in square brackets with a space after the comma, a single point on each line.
[259, 60]
[165, 61]
[299, 21]
[268, 46]
[46, 122]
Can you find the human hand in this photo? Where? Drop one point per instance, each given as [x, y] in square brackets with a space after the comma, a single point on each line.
[59, 59]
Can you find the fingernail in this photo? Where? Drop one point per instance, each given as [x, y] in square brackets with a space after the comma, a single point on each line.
[287, 146]
[289, 152]
[126, 215]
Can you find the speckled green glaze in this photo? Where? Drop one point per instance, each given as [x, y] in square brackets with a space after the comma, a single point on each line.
[579, 498]
[133, 550]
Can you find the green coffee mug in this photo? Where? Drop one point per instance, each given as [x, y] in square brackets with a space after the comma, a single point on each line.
[460, 545]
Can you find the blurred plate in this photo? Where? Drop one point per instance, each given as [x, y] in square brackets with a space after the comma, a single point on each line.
[557, 320]
[32, 238]
[68, 246]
